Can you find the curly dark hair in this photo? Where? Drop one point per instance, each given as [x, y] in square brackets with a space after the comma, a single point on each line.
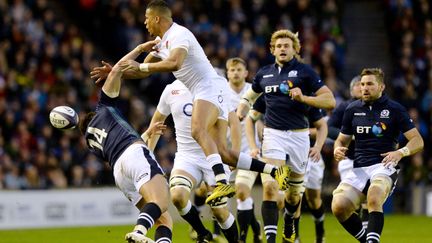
[83, 124]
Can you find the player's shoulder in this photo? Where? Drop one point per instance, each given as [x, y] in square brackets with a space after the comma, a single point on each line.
[179, 30]
[354, 105]
[394, 105]
[266, 69]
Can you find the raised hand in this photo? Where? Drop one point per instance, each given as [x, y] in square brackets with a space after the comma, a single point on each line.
[99, 74]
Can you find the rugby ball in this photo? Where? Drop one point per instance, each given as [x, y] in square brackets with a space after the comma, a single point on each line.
[63, 117]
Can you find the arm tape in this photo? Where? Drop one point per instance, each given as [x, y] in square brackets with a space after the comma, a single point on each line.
[250, 96]
[144, 67]
[145, 137]
[404, 151]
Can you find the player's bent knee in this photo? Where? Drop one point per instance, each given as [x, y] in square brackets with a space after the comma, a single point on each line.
[180, 187]
[270, 190]
[179, 197]
[378, 192]
[180, 181]
[242, 192]
[295, 189]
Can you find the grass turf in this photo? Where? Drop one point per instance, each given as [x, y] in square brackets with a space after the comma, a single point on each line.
[397, 228]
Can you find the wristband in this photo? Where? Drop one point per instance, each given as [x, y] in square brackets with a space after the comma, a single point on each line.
[245, 101]
[144, 67]
[145, 137]
[404, 151]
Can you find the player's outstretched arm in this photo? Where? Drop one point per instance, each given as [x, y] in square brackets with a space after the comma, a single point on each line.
[99, 74]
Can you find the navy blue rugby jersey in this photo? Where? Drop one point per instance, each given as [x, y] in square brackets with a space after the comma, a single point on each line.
[376, 128]
[108, 133]
[282, 112]
[335, 120]
[313, 114]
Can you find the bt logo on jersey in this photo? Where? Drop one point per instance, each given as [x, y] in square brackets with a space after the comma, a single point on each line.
[363, 129]
[284, 87]
[377, 129]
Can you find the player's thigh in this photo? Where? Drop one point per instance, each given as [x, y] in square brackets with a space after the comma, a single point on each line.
[133, 169]
[204, 115]
[246, 178]
[346, 198]
[218, 132]
[186, 170]
[313, 198]
[155, 190]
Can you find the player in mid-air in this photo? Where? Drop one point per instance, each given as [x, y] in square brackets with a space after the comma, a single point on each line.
[190, 167]
[376, 122]
[180, 53]
[290, 87]
[137, 174]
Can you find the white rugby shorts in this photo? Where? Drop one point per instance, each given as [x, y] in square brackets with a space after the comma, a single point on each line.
[135, 167]
[360, 177]
[277, 144]
[197, 166]
[314, 174]
[344, 167]
[216, 92]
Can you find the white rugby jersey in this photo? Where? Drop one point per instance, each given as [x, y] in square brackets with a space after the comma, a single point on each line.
[196, 67]
[176, 99]
[235, 100]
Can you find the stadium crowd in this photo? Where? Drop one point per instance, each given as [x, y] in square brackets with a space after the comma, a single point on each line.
[46, 56]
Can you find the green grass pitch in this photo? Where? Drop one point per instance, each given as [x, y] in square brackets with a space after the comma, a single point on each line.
[397, 228]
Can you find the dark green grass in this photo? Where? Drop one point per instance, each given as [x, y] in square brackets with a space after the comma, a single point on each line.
[398, 228]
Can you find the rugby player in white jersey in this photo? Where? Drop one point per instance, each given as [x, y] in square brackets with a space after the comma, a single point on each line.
[190, 167]
[180, 53]
[244, 179]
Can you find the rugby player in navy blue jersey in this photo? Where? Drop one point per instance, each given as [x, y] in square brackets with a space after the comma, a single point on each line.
[315, 167]
[137, 174]
[289, 87]
[376, 122]
[334, 126]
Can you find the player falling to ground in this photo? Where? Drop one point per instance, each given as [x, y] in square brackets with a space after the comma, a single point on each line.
[137, 174]
[315, 167]
[180, 53]
[289, 87]
[335, 124]
[244, 180]
[376, 122]
[190, 167]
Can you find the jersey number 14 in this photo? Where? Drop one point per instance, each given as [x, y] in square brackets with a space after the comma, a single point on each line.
[99, 134]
